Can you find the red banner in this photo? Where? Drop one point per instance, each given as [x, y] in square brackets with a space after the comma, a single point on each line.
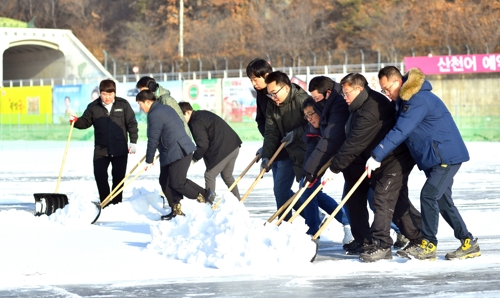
[455, 63]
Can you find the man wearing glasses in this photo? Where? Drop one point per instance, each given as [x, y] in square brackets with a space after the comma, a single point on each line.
[285, 123]
[426, 126]
[371, 117]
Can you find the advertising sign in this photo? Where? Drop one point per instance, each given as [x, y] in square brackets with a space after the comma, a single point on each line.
[238, 100]
[455, 64]
[26, 105]
[203, 94]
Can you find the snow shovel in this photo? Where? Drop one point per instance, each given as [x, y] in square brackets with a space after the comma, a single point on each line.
[263, 172]
[238, 180]
[48, 203]
[320, 172]
[341, 204]
[315, 192]
[117, 189]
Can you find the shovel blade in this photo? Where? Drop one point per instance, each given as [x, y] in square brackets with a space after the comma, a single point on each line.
[99, 208]
[48, 203]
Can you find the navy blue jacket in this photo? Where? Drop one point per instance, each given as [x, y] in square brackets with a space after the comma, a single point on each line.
[331, 135]
[425, 125]
[166, 132]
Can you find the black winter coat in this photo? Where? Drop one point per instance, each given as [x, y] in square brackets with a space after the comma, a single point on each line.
[260, 117]
[166, 132]
[214, 138]
[280, 120]
[372, 117]
[110, 130]
[331, 133]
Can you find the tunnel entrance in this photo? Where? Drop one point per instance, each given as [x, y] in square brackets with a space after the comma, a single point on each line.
[33, 62]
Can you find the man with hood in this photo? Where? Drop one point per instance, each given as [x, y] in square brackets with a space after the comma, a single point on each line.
[426, 126]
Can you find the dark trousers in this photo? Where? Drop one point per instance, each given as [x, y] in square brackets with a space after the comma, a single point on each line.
[406, 217]
[356, 207]
[174, 183]
[118, 169]
[435, 198]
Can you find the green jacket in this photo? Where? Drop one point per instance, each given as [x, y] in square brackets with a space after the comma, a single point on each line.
[282, 119]
[163, 96]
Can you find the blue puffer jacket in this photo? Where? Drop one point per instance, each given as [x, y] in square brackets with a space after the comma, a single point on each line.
[425, 124]
[166, 132]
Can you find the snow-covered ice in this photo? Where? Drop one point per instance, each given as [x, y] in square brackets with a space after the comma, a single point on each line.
[223, 253]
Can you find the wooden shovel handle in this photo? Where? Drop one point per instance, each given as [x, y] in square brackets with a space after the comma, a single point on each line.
[64, 157]
[344, 200]
[109, 198]
[123, 180]
[316, 191]
[238, 179]
[263, 172]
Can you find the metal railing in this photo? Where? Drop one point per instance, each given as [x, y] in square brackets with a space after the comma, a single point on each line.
[207, 74]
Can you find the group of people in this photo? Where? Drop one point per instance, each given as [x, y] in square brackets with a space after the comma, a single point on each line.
[171, 128]
[358, 131]
[347, 126]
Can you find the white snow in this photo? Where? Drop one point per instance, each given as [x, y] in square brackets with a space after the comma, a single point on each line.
[129, 244]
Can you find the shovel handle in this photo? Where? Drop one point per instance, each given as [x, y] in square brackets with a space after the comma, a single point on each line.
[263, 172]
[109, 198]
[123, 180]
[344, 200]
[238, 179]
[316, 191]
[283, 207]
[64, 157]
[289, 208]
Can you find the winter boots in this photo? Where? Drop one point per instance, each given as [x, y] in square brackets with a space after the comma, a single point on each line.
[409, 250]
[358, 248]
[401, 241]
[209, 199]
[376, 253]
[426, 251]
[176, 210]
[468, 249]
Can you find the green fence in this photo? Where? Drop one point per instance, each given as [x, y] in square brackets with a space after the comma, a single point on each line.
[482, 125]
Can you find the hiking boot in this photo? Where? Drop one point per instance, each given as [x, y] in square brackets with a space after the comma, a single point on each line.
[377, 253]
[210, 198]
[361, 248]
[409, 250]
[348, 238]
[200, 198]
[350, 246]
[426, 251]
[468, 249]
[177, 210]
[168, 216]
[401, 241]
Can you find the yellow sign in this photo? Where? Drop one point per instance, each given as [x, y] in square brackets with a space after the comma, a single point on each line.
[26, 105]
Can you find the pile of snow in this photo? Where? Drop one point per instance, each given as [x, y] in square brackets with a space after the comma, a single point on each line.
[229, 238]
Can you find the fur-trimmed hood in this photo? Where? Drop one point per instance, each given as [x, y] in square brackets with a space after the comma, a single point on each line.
[413, 80]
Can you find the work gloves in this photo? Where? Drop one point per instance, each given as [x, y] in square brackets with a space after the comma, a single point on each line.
[329, 175]
[148, 166]
[265, 164]
[73, 119]
[132, 148]
[371, 165]
[259, 154]
[288, 138]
